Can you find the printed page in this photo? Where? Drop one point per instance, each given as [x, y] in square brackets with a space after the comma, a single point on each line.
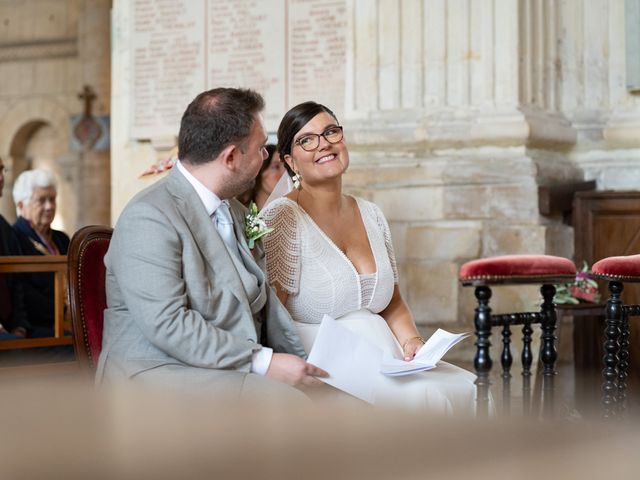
[353, 363]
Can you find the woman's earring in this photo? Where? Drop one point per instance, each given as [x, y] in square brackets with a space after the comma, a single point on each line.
[296, 181]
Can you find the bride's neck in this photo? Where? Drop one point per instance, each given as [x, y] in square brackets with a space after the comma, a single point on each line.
[329, 198]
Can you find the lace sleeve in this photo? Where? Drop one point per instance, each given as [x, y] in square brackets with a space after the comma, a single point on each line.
[282, 246]
[384, 227]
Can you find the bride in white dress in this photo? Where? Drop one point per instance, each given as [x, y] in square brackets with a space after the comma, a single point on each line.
[331, 253]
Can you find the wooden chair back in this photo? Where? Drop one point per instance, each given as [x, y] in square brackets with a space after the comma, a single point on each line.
[87, 294]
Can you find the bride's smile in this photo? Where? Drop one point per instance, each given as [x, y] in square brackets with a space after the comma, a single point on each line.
[326, 158]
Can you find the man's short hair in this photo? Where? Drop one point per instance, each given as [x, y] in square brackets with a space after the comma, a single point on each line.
[215, 119]
[28, 181]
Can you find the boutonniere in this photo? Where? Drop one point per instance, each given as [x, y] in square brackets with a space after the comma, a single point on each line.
[254, 226]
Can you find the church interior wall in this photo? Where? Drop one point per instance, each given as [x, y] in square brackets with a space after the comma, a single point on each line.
[50, 49]
[455, 113]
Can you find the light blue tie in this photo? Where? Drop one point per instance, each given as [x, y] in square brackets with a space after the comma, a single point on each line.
[224, 224]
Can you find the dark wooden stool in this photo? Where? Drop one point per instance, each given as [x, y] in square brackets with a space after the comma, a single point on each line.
[509, 270]
[616, 271]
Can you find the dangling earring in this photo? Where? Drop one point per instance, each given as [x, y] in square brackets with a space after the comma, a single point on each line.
[296, 181]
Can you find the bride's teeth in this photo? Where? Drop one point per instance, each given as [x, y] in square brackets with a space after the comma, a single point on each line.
[326, 158]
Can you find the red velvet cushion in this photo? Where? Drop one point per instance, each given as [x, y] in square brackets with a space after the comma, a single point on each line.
[618, 268]
[519, 269]
[93, 294]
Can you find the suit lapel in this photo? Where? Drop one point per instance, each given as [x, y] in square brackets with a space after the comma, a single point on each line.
[247, 256]
[205, 234]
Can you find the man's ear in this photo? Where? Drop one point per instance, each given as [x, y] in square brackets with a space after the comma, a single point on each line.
[20, 206]
[229, 157]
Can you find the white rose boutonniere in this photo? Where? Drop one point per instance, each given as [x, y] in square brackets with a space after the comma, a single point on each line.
[254, 226]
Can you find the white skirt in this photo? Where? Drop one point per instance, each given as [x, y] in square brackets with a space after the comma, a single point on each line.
[444, 389]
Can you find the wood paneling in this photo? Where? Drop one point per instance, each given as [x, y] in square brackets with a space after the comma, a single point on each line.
[606, 224]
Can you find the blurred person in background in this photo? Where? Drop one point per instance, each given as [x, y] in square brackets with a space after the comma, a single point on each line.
[270, 172]
[13, 319]
[34, 194]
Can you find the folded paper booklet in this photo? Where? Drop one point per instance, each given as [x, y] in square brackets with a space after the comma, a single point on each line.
[426, 358]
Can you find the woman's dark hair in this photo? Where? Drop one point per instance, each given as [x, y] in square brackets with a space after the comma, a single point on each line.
[293, 121]
[215, 119]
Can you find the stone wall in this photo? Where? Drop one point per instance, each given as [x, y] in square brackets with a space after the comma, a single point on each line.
[50, 49]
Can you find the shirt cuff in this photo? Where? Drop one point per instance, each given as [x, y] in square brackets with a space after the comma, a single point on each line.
[261, 360]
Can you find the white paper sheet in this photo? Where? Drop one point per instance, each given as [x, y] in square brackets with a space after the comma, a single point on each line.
[352, 362]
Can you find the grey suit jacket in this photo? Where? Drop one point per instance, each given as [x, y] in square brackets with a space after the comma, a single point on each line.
[177, 298]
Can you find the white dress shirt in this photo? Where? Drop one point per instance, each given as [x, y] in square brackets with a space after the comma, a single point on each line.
[261, 359]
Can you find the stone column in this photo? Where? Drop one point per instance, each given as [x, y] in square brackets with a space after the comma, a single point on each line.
[453, 119]
[92, 168]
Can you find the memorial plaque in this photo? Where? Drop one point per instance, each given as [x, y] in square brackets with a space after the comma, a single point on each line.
[246, 49]
[167, 63]
[288, 50]
[317, 52]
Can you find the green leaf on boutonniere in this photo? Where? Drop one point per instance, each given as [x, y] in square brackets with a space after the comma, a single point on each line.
[254, 226]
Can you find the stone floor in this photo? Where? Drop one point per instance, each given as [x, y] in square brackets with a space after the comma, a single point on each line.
[576, 395]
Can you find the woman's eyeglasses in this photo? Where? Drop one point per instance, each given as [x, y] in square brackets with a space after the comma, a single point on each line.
[310, 141]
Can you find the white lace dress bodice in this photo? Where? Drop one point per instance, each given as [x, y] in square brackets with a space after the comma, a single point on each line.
[319, 279]
[332, 285]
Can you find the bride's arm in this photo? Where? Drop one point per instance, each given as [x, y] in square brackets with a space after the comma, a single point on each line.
[400, 321]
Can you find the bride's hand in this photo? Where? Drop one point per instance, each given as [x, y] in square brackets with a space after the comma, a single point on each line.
[411, 347]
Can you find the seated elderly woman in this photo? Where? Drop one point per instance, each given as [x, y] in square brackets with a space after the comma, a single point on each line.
[34, 193]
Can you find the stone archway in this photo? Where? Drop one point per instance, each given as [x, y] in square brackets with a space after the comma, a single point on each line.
[35, 134]
[40, 145]
[28, 112]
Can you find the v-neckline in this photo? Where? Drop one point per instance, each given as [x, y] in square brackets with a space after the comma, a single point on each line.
[333, 244]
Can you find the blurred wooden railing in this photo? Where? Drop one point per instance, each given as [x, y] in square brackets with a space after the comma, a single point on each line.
[42, 263]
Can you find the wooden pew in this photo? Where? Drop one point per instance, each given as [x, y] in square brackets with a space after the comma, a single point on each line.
[42, 263]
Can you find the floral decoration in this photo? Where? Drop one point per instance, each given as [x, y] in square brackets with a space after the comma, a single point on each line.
[583, 290]
[254, 226]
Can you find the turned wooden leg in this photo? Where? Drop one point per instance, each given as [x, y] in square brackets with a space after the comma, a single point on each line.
[506, 359]
[548, 310]
[614, 313]
[482, 361]
[623, 364]
[548, 353]
[527, 360]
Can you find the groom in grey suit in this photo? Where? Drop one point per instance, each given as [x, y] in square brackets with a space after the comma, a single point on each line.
[187, 304]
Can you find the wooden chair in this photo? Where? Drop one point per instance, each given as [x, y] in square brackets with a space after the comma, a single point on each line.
[37, 264]
[545, 270]
[87, 295]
